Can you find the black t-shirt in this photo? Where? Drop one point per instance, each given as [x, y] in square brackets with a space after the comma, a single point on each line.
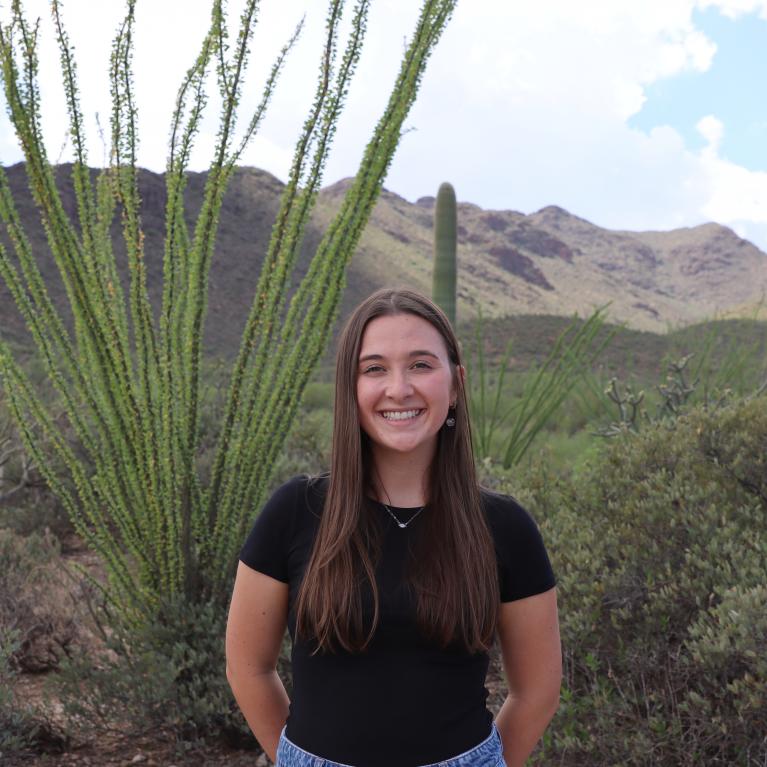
[403, 701]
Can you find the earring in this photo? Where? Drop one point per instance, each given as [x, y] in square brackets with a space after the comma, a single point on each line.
[450, 421]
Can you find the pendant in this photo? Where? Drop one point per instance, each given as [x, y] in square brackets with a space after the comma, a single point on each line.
[402, 524]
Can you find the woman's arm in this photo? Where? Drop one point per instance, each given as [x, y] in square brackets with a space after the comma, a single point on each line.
[528, 630]
[254, 632]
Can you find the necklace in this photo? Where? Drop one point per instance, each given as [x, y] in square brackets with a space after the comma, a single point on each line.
[400, 523]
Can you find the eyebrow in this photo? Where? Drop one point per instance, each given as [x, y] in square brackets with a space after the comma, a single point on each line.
[417, 353]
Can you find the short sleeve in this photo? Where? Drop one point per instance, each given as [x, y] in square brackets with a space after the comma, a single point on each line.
[524, 568]
[266, 548]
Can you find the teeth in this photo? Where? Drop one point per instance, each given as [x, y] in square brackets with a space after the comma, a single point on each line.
[391, 415]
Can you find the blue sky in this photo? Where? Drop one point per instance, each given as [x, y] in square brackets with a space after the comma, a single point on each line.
[732, 89]
[635, 116]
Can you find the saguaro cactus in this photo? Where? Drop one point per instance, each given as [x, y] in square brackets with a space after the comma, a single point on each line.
[444, 278]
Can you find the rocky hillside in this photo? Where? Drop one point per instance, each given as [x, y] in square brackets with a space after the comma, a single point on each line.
[549, 262]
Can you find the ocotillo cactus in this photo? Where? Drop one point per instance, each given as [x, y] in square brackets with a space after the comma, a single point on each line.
[444, 279]
[133, 400]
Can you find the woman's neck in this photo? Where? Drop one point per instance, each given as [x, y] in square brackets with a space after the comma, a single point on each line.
[401, 479]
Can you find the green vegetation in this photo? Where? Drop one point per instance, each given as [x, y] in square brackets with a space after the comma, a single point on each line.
[163, 677]
[544, 390]
[656, 536]
[660, 552]
[131, 392]
[36, 630]
[161, 458]
[444, 279]
[33, 615]
[18, 724]
[158, 477]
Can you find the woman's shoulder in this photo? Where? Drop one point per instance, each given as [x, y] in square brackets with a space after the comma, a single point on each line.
[522, 555]
[508, 519]
[292, 505]
[503, 509]
[303, 491]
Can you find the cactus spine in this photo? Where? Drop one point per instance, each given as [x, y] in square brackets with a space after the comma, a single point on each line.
[444, 278]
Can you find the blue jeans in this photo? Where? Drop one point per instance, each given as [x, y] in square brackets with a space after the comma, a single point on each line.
[489, 753]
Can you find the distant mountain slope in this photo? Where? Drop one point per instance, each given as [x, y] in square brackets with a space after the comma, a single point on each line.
[552, 262]
[549, 262]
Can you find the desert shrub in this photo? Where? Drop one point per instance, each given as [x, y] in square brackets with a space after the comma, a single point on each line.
[318, 395]
[32, 607]
[17, 726]
[23, 730]
[26, 503]
[167, 675]
[307, 444]
[660, 550]
[37, 628]
[728, 646]
[307, 447]
[36, 510]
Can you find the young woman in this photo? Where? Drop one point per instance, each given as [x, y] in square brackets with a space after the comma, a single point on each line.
[394, 575]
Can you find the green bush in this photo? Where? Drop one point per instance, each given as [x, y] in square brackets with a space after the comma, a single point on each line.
[660, 551]
[26, 503]
[318, 395]
[307, 447]
[35, 511]
[165, 676]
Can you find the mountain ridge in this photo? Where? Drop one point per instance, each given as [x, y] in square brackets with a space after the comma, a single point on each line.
[509, 262]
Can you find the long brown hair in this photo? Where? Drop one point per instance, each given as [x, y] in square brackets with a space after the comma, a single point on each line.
[452, 570]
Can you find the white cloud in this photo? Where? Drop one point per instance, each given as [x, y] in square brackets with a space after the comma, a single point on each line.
[594, 55]
[735, 194]
[523, 104]
[712, 129]
[549, 122]
[540, 98]
[736, 8]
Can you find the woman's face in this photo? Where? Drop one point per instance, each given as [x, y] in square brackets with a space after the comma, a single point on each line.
[404, 385]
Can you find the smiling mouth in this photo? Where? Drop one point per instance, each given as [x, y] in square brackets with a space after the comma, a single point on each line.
[401, 415]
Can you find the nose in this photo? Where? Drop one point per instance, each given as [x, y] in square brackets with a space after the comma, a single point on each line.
[399, 386]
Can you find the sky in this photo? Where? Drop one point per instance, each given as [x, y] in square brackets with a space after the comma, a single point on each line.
[633, 115]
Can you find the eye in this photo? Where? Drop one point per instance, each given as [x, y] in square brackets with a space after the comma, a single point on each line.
[372, 369]
[423, 365]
